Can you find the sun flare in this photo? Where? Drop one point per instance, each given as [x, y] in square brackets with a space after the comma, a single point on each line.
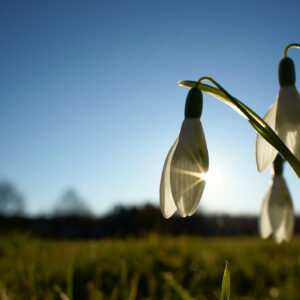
[214, 175]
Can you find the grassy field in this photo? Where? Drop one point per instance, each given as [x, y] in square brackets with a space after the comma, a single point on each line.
[152, 267]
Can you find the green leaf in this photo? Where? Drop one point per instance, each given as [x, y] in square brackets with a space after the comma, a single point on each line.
[226, 283]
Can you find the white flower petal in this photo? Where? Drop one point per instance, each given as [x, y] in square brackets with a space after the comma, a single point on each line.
[192, 143]
[264, 224]
[288, 118]
[276, 202]
[281, 210]
[290, 222]
[265, 153]
[189, 162]
[285, 231]
[167, 203]
[279, 235]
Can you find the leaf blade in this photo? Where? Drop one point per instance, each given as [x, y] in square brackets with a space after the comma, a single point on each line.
[226, 283]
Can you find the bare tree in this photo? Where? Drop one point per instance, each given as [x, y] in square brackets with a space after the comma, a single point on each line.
[11, 201]
[71, 204]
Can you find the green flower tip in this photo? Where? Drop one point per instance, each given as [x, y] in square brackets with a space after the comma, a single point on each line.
[193, 104]
[286, 72]
[278, 165]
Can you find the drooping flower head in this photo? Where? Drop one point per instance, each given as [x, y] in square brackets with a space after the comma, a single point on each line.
[283, 117]
[277, 216]
[182, 182]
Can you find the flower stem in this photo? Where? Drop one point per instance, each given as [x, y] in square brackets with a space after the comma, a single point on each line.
[288, 47]
[256, 122]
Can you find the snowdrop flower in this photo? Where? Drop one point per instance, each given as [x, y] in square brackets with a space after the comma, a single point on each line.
[283, 117]
[277, 217]
[182, 181]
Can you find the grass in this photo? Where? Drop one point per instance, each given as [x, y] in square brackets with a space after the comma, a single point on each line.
[151, 267]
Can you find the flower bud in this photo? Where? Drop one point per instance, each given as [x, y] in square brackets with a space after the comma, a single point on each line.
[286, 72]
[193, 104]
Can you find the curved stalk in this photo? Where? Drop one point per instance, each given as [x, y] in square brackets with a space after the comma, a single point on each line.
[256, 122]
[288, 47]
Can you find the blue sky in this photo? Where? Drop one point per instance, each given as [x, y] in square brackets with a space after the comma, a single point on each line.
[89, 96]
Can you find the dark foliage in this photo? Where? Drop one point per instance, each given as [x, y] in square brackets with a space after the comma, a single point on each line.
[124, 221]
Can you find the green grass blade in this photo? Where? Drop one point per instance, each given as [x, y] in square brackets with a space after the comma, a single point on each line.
[226, 283]
[181, 292]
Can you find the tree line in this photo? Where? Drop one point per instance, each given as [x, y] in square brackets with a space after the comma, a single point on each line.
[12, 202]
[72, 218]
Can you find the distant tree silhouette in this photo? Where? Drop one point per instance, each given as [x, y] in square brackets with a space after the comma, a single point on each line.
[71, 204]
[11, 201]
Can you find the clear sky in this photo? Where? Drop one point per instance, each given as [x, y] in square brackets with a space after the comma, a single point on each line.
[89, 96]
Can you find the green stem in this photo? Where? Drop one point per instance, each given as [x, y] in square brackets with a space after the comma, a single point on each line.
[288, 47]
[256, 122]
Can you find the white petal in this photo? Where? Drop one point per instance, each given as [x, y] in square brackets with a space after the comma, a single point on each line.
[264, 224]
[281, 210]
[288, 118]
[279, 235]
[192, 143]
[265, 153]
[167, 203]
[285, 231]
[189, 162]
[289, 224]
